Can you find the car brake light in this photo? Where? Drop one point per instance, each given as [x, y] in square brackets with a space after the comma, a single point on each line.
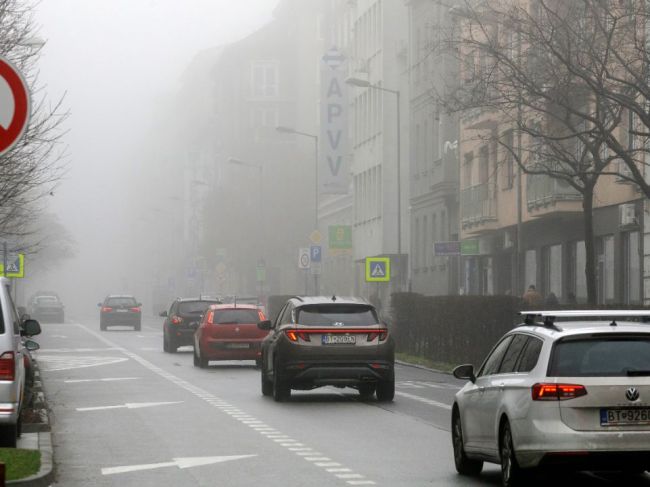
[557, 392]
[382, 334]
[294, 335]
[7, 366]
[135, 310]
[177, 320]
[106, 309]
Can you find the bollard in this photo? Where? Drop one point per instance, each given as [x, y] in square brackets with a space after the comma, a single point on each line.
[2, 474]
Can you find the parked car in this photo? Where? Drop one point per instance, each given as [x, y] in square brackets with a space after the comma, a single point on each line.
[571, 394]
[13, 347]
[319, 341]
[182, 320]
[47, 308]
[120, 310]
[229, 332]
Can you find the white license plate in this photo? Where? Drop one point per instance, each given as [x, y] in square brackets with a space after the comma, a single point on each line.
[237, 345]
[622, 417]
[339, 339]
[122, 310]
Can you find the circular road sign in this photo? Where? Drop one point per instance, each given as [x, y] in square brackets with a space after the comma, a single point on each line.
[14, 105]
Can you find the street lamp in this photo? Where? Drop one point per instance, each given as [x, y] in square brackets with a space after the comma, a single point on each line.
[289, 130]
[364, 83]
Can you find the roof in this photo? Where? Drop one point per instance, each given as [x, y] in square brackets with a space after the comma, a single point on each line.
[306, 300]
[604, 321]
[234, 306]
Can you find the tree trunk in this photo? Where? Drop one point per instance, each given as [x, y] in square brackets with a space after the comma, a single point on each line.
[590, 245]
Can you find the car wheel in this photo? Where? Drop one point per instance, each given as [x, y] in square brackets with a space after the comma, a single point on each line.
[196, 358]
[386, 390]
[464, 465]
[366, 390]
[267, 385]
[8, 435]
[137, 327]
[199, 361]
[281, 389]
[258, 363]
[165, 343]
[102, 327]
[511, 472]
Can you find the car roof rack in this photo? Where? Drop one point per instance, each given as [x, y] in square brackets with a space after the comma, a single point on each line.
[549, 316]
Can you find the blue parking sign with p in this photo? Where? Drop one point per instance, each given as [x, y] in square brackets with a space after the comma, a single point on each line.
[316, 253]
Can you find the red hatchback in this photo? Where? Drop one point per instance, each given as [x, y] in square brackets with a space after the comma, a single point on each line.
[229, 332]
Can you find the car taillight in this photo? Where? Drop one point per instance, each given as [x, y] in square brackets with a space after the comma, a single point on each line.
[382, 334]
[294, 335]
[557, 392]
[7, 366]
[177, 320]
[106, 309]
[135, 310]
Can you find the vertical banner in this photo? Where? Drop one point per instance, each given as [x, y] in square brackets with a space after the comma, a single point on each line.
[333, 173]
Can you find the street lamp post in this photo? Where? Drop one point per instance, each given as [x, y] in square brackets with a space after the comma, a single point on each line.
[362, 83]
[290, 130]
[260, 168]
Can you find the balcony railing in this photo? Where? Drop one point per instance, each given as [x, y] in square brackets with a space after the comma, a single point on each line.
[478, 204]
[542, 190]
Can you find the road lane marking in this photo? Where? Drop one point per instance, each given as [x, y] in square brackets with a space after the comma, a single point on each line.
[53, 363]
[431, 402]
[223, 406]
[176, 462]
[71, 350]
[135, 405]
[108, 379]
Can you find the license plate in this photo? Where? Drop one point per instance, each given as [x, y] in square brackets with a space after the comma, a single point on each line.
[237, 345]
[622, 417]
[122, 310]
[339, 339]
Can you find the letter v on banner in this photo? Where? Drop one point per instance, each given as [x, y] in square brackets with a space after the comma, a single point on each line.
[333, 171]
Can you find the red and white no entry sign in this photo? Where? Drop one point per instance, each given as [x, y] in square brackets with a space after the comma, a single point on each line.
[14, 105]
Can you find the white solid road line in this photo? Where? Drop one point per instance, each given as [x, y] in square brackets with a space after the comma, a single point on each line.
[135, 405]
[177, 462]
[431, 402]
[108, 379]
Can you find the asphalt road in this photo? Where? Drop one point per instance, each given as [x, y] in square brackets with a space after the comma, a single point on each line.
[126, 413]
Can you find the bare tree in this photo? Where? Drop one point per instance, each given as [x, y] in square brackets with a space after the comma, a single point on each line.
[31, 170]
[543, 69]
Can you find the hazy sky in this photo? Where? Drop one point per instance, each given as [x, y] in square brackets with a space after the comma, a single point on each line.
[113, 59]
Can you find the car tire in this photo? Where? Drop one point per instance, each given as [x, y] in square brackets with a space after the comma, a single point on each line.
[267, 385]
[165, 343]
[102, 327]
[137, 327]
[511, 473]
[464, 465]
[366, 390]
[200, 361]
[281, 389]
[386, 390]
[8, 435]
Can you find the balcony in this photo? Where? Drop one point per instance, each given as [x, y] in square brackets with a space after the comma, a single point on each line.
[478, 205]
[544, 191]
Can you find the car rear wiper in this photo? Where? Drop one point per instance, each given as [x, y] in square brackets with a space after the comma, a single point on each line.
[638, 373]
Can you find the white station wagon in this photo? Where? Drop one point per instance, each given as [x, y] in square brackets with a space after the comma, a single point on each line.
[551, 393]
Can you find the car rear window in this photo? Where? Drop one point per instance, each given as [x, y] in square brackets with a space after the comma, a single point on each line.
[121, 302]
[336, 315]
[47, 299]
[236, 316]
[601, 357]
[193, 307]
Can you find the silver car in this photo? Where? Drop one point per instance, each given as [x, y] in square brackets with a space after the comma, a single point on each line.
[571, 394]
[12, 364]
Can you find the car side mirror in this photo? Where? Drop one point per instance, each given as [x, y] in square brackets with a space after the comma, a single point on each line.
[24, 317]
[163, 314]
[31, 328]
[465, 372]
[31, 345]
[265, 325]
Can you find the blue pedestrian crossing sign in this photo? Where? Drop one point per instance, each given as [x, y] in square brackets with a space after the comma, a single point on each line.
[377, 269]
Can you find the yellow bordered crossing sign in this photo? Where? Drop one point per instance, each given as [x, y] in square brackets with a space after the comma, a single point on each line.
[15, 266]
[377, 269]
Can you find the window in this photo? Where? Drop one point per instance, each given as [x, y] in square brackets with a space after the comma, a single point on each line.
[512, 355]
[193, 307]
[484, 164]
[336, 315]
[264, 79]
[493, 362]
[530, 268]
[632, 268]
[235, 316]
[530, 356]
[467, 170]
[124, 302]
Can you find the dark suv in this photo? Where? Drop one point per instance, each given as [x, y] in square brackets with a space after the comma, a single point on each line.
[319, 341]
[182, 320]
[120, 310]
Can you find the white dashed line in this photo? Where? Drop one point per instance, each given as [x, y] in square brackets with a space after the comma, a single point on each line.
[244, 418]
[430, 402]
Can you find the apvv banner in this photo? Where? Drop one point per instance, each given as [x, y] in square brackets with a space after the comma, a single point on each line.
[333, 165]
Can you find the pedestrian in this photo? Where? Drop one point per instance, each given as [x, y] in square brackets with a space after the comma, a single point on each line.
[531, 297]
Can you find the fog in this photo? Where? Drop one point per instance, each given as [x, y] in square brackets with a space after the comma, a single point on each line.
[113, 61]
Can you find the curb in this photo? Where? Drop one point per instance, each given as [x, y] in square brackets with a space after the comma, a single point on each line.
[45, 475]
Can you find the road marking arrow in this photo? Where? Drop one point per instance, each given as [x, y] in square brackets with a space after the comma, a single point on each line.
[189, 462]
[134, 405]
